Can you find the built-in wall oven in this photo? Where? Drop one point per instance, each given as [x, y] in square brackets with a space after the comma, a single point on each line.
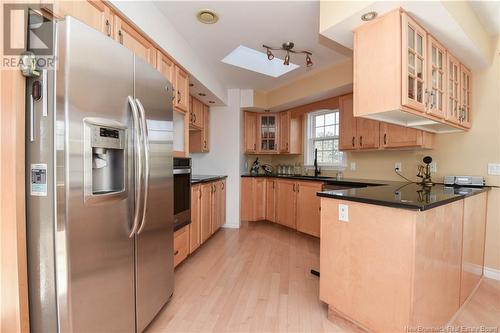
[182, 192]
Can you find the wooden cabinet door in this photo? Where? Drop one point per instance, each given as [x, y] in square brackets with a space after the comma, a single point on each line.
[368, 133]
[247, 199]
[250, 128]
[134, 41]
[453, 89]
[181, 99]
[93, 13]
[222, 192]
[308, 207]
[284, 131]
[196, 119]
[271, 200]
[181, 245]
[206, 211]
[347, 136]
[206, 129]
[259, 199]
[166, 66]
[215, 208]
[267, 130]
[414, 64]
[394, 136]
[286, 203]
[465, 96]
[436, 77]
[195, 227]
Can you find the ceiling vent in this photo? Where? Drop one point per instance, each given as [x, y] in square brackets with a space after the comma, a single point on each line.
[207, 16]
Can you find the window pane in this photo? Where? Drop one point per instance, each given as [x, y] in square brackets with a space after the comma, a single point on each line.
[329, 131]
[329, 118]
[328, 157]
[320, 120]
[336, 145]
[328, 145]
[336, 117]
[320, 132]
[336, 130]
[320, 156]
[318, 145]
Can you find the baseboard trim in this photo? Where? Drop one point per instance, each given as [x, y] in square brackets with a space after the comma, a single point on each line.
[492, 273]
[231, 226]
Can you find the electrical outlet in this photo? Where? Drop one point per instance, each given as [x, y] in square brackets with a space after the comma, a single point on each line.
[343, 213]
[398, 166]
[353, 166]
[494, 169]
[434, 167]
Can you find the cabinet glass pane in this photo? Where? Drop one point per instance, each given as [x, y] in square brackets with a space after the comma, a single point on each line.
[419, 91]
[411, 87]
[264, 145]
[271, 121]
[420, 64]
[411, 62]
[420, 45]
[411, 38]
[434, 78]
[434, 56]
[440, 101]
[440, 60]
[271, 144]
[440, 81]
[264, 121]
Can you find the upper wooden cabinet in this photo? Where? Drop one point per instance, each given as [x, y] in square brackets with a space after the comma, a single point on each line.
[196, 119]
[290, 129]
[272, 133]
[358, 133]
[129, 37]
[181, 86]
[166, 66]
[401, 76]
[267, 133]
[199, 138]
[250, 129]
[93, 13]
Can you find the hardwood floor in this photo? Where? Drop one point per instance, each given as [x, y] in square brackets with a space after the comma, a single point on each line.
[257, 278]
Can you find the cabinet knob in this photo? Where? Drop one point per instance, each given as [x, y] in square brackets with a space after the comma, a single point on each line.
[108, 28]
[176, 252]
[205, 144]
[385, 138]
[120, 36]
[194, 117]
[361, 140]
[353, 141]
[178, 96]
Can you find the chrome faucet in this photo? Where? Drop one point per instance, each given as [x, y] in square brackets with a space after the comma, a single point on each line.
[317, 170]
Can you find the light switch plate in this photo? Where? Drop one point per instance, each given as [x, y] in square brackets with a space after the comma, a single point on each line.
[434, 167]
[343, 213]
[494, 169]
[353, 166]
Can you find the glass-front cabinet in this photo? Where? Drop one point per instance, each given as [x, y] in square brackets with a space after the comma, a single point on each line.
[414, 60]
[268, 133]
[453, 106]
[436, 104]
[465, 96]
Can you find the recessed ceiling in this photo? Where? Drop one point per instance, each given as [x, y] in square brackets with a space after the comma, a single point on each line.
[251, 23]
[488, 13]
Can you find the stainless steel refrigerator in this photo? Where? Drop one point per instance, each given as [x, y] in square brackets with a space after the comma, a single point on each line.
[99, 187]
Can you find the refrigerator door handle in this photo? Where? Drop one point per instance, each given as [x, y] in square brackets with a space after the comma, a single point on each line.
[137, 166]
[145, 136]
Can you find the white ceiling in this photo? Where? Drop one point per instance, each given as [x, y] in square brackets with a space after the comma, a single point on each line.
[252, 23]
[488, 13]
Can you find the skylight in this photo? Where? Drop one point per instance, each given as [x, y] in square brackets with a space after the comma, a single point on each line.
[256, 61]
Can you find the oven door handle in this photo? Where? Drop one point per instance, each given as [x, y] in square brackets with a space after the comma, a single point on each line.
[182, 171]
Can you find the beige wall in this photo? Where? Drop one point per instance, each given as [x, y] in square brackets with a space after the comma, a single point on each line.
[465, 153]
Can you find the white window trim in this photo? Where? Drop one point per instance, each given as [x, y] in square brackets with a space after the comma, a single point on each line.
[308, 143]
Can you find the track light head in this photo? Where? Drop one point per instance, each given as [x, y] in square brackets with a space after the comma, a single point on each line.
[309, 62]
[287, 59]
[270, 55]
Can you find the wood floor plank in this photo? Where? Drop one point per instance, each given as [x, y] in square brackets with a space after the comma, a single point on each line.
[257, 279]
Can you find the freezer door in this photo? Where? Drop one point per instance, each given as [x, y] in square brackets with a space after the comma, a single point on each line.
[154, 240]
[95, 263]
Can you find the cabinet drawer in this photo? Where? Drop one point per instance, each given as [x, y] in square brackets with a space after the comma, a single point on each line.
[181, 245]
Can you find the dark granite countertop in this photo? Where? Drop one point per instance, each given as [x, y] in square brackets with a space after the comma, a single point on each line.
[387, 193]
[196, 179]
[404, 195]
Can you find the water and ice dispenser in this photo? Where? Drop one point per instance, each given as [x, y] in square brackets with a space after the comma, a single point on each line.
[105, 159]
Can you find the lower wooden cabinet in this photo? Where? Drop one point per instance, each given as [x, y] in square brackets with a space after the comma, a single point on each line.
[308, 207]
[286, 203]
[271, 200]
[181, 245]
[291, 203]
[206, 211]
[195, 226]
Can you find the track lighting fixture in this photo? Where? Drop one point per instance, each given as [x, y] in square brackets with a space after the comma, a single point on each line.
[288, 47]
